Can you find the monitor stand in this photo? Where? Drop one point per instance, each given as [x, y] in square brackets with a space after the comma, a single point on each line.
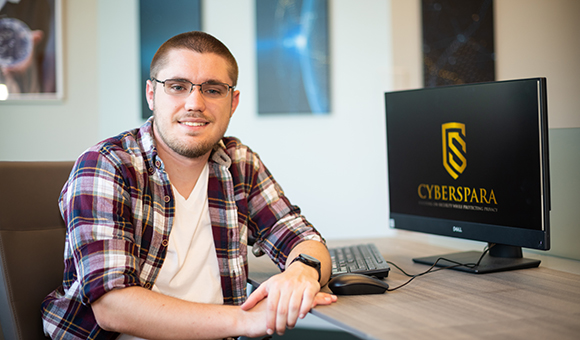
[500, 258]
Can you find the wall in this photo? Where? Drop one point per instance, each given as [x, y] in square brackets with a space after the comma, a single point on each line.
[539, 38]
[342, 155]
[346, 149]
[119, 106]
[100, 48]
[534, 38]
[59, 130]
[102, 91]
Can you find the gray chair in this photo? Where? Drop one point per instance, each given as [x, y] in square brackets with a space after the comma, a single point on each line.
[32, 237]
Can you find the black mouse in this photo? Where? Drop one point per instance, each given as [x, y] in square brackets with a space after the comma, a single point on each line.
[356, 284]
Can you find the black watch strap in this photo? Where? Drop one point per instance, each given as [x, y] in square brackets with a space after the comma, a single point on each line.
[309, 261]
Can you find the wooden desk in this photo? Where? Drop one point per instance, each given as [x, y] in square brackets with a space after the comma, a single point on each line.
[539, 303]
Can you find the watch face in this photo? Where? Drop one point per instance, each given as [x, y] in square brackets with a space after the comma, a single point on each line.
[15, 41]
[309, 261]
[309, 258]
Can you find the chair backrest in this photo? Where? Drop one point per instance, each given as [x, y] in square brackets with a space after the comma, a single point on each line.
[32, 237]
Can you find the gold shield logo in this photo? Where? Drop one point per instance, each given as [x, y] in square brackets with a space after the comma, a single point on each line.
[454, 160]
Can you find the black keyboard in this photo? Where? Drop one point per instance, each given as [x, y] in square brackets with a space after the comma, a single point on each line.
[361, 258]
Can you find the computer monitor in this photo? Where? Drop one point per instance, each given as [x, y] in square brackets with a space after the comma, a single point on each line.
[471, 161]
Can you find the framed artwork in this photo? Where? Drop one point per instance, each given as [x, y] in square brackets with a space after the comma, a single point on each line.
[458, 42]
[30, 50]
[293, 58]
[159, 21]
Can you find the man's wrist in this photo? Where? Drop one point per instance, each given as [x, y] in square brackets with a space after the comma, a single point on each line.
[308, 261]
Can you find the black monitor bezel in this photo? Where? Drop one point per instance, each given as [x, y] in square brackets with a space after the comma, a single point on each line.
[493, 234]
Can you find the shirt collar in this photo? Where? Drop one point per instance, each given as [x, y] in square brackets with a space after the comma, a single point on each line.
[220, 156]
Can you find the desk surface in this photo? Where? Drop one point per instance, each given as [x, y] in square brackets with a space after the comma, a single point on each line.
[536, 303]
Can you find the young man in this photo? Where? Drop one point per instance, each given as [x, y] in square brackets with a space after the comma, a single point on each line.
[158, 220]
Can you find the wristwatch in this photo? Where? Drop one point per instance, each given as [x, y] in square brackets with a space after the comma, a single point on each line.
[309, 261]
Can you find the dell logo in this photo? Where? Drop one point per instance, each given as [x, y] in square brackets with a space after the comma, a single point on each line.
[457, 229]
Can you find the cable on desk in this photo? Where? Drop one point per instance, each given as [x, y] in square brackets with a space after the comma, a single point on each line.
[432, 269]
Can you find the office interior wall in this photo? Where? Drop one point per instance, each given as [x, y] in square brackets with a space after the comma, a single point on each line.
[100, 46]
[59, 130]
[334, 166]
[539, 38]
[119, 107]
[534, 38]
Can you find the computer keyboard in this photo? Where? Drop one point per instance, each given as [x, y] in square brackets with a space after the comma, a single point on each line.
[361, 258]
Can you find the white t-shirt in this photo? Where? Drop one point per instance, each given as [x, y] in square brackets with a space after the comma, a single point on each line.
[190, 270]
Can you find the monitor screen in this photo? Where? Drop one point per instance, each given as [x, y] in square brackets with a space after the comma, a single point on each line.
[471, 161]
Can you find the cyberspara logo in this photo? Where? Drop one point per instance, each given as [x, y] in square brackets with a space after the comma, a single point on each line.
[454, 148]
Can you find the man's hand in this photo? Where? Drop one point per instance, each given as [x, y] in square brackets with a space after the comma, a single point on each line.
[291, 294]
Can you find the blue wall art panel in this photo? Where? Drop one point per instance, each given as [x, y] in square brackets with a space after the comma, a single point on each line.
[159, 21]
[293, 60]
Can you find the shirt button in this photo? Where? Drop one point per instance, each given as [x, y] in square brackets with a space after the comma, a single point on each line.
[151, 170]
[167, 199]
[165, 243]
[147, 285]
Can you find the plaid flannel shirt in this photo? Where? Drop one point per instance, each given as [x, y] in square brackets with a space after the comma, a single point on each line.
[118, 206]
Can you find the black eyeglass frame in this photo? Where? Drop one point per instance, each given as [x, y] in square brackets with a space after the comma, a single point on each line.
[194, 85]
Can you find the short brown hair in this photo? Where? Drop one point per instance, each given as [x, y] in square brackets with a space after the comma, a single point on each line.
[199, 42]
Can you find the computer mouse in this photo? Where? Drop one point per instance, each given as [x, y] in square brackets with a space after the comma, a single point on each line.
[356, 284]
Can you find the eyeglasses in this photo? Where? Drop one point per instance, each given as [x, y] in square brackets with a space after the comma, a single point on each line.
[182, 88]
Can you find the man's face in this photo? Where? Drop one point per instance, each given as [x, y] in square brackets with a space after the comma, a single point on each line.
[190, 126]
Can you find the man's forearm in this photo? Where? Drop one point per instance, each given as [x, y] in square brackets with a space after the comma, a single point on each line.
[147, 314]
